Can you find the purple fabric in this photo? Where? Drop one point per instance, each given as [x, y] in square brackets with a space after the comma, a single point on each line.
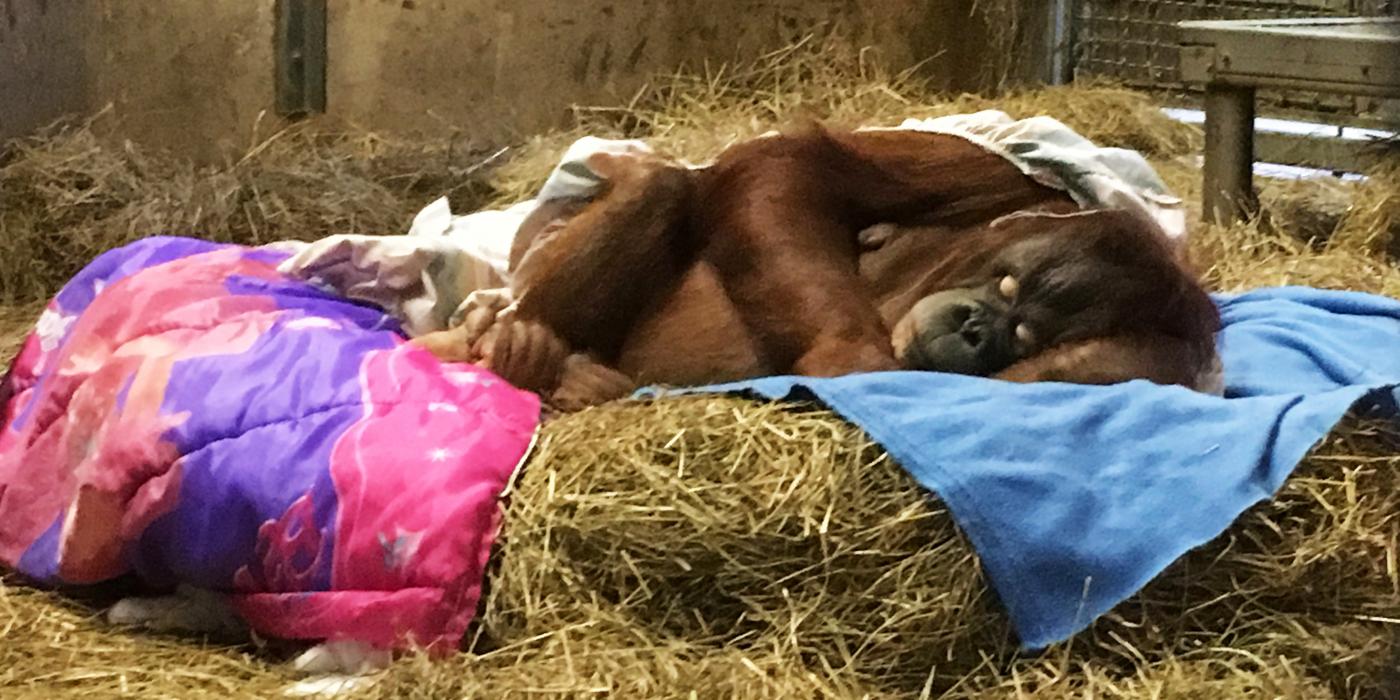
[185, 413]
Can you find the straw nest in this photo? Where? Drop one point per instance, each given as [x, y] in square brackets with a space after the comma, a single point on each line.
[715, 547]
[67, 195]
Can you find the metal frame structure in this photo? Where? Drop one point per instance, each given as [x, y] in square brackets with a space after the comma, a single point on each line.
[1137, 42]
[1232, 59]
[300, 57]
[1218, 54]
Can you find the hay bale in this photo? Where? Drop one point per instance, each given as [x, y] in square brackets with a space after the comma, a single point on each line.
[607, 656]
[728, 523]
[1371, 223]
[15, 322]
[725, 522]
[1307, 209]
[52, 646]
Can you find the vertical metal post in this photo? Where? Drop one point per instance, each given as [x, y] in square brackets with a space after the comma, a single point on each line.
[1060, 38]
[300, 50]
[1229, 154]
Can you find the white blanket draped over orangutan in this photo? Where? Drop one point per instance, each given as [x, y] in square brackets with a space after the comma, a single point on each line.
[429, 278]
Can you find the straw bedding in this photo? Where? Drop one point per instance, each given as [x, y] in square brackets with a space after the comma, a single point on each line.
[714, 547]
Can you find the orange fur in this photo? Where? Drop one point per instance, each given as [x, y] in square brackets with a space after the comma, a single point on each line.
[757, 265]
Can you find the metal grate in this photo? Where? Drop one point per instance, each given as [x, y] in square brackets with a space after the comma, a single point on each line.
[1135, 42]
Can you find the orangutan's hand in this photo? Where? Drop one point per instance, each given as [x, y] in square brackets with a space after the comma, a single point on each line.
[586, 382]
[525, 353]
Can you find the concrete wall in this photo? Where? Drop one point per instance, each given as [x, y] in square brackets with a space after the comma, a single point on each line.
[405, 64]
[194, 75]
[188, 75]
[42, 66]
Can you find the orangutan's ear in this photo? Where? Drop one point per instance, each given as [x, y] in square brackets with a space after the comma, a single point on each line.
[1157, 358]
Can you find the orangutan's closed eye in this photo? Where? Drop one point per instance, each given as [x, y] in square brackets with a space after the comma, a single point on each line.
[1068, 280]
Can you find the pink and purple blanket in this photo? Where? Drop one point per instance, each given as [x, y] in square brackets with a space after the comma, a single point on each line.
[184, 413]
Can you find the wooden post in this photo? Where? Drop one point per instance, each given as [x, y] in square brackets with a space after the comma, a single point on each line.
[1229, 154]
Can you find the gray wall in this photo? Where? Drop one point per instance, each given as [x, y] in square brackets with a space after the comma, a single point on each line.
[194, 75]
[42, 66]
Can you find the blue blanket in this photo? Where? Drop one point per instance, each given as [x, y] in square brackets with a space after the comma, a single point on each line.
[1076, 496]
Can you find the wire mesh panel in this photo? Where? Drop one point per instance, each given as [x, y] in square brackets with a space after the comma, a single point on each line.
[1136, 42]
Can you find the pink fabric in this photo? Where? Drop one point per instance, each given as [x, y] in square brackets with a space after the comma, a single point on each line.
[185, 413]
[417, 516]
